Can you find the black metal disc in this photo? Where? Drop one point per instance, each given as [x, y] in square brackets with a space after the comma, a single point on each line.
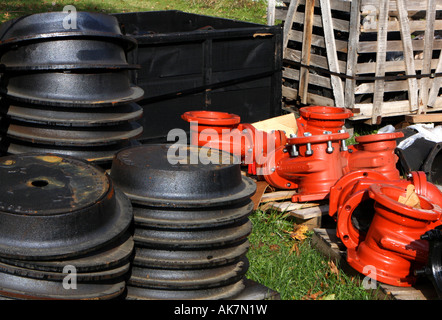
[114, 255]
[57, 207]
[180, 176]
[65, 54]
[23, 288]
[96, 154]
[192, 279]
[59, 276]
[68, 89]
[76, 117]
[191, 218]
[189, 259]
[221, 293]
[192, 239]
[50, 25]
[74, 136]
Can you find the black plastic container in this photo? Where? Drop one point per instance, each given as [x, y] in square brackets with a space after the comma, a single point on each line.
[195, 62]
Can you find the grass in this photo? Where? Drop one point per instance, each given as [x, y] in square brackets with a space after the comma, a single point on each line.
[245, 10]
[293, 268]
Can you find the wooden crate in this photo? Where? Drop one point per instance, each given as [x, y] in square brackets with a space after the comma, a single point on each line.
[380, 58]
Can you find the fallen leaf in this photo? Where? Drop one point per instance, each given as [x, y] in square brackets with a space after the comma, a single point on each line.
[274, 247]
[329, 297]
[299, 232]
[333, 268]
[294, 249]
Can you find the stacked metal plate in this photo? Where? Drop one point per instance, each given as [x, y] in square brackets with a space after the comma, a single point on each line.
[66, 88]
[64, 230]
[191, 222]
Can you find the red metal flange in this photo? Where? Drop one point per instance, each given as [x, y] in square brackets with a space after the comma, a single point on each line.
[317, 119]
[392, 247]
[375, 151]
[212, 118]
[311, 164]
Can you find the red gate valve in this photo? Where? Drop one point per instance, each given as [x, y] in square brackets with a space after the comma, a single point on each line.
[391, 250]
[375, 151]
[317, 119]
[311, 164]
[223, 131]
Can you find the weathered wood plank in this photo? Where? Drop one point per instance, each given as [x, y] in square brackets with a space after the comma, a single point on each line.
[289, 23]
[424, 118]
[390, 66]
[338, 5]
[314, 79]
[434, 91]
[396, 45]
[427, 55]
[317, 41]
[390, 109]
[332, 56]
[412, 5]
[352, 57]
[408, 55]
[378, 98]
[271, 10]
[313, 99]
[315, 60]
[306, 50]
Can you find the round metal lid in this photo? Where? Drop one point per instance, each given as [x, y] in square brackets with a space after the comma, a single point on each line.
[180, 176]
[51, 25]
[53, 207]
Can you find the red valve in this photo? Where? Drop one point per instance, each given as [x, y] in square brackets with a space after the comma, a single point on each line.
[317, 119]
[375, 151]
[392, 245]
[223, 131]
[312, 164]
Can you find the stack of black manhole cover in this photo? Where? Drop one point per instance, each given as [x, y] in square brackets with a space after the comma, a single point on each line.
[191, 222]
[67, 91]
[64, 230]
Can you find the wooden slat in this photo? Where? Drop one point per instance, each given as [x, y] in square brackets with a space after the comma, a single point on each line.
[378, 98]
[389, 86]
[314, 79]
[313, 99]
[420, 118]
[428, 52]
[315, 60]
[338, 5]
[390, 66]
[332, 56]
[317, 41]
[415, 25]
[408, 55]
[396, 45]
[271, 9]
[289, 23]
[390, 109]
[434, 91]
[412, 5]
[306, 50]
[352, 57]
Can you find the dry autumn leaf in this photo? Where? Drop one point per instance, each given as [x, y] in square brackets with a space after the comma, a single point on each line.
[299, 232]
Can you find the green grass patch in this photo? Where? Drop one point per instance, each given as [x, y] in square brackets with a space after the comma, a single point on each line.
[245, 10]
[293, 267]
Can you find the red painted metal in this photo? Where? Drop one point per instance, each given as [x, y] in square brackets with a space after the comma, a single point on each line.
[392, 247]
[311, 164]
[317, 119]
[223, 131]
[375, 151]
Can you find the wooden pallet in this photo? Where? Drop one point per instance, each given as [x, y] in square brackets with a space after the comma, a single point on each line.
[308, 213]
[326, 241]
[347, 53]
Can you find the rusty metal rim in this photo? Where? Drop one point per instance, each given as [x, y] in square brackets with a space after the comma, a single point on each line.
[189, 259]
[116, 254]
[193, 239]
[59, 276]
[76, 117]
[153, 217]
[137, 94]
[65, 67]
[97, 136]
[248, 189]
[226, 292]
[189, 279]
[12, 286]
[97, 155]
